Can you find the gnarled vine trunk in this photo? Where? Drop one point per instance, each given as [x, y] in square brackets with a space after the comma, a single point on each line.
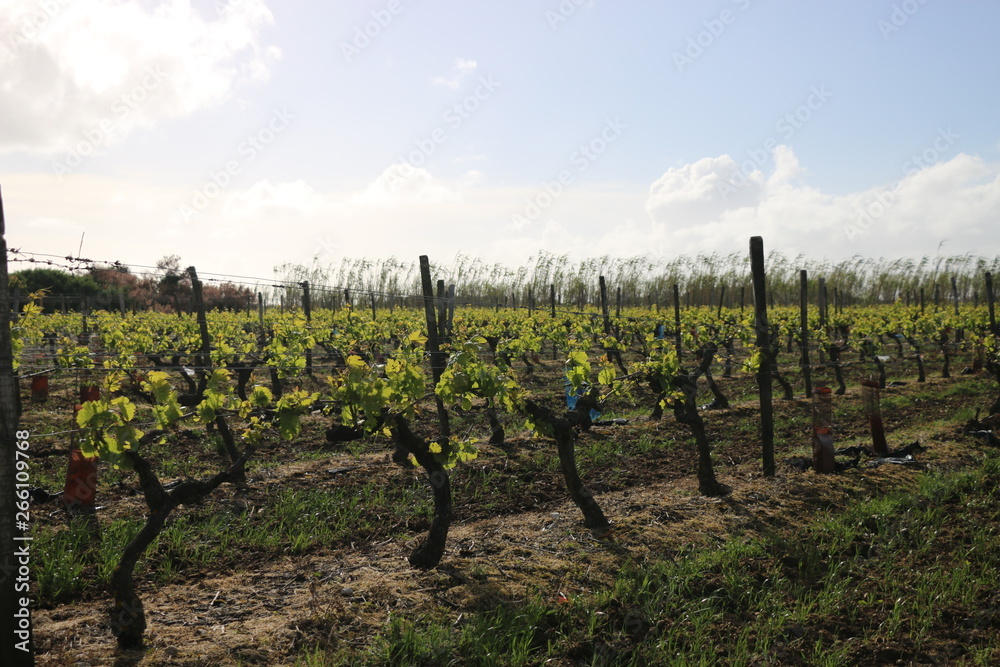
[686, 412]
[128, 618]
[562, 431]
[429, 553]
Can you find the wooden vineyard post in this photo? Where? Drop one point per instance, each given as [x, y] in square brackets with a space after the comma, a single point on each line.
[954, 292]
[451, 309]
[604, 306]
[204, 354]
[763, 348]
[618, 301]
[822, 316]
[307, 309]
[442, 315]
[433, 348]
[552, 300]
[990, 304]
[804, 316]
[823, 302]
[16, 648]
[677, 321]
[121, 301]
[260, 310]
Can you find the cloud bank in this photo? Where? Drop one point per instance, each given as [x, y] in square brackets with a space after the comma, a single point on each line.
[406, 211]
[89, 73]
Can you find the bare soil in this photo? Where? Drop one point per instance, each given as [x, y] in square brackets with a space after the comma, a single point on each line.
[256, 610]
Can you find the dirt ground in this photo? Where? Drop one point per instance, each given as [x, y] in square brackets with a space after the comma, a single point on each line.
[269, 610]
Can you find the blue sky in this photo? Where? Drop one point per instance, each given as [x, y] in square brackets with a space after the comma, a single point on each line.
[244, 134]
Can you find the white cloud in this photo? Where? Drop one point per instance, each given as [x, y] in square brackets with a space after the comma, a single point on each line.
[94, 71]
[694, 212]
[460, 69]
[403, 184]
[271, 222]
[702, 191]
[282, 201]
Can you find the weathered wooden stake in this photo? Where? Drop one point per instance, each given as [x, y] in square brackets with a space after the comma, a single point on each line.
[990, 301]
[204, 354]
[823, 314]
[307, 308]
[451, 309]
[442, 312]
[433, 349]
[764, 347]
[804, 317]
[604, 305]
[677, 321]
[954, 293]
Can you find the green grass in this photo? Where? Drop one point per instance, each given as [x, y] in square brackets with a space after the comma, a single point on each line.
[884, 577]
[295, 521]
[73, 553]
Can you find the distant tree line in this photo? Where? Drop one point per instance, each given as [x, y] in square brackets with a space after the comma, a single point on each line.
[109, 287]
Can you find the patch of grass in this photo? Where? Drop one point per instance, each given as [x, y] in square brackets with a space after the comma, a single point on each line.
[883, 580]
[73, 553]
[294, 522]
[58, 575]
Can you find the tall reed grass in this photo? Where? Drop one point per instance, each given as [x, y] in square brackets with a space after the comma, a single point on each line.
[704, 279]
